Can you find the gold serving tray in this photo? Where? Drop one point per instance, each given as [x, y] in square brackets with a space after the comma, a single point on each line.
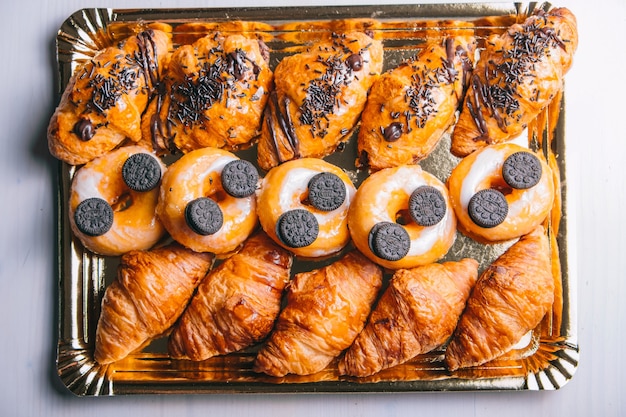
[546, 360]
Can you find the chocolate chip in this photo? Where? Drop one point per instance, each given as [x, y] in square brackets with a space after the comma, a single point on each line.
[239, 178]
[204, 216]
[427, 206]
[297, 228]
[93, 216]
[488, 208]
[393, 132]
[327, 192]
[521, 170]
[389, 241]
[355, 62]
[141, 172]
[84, 129]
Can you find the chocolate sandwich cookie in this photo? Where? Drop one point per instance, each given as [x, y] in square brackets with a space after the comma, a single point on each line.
[427, 206]
[141, 172]
[204, 216]
[389, 241]
[239, 178]
[93, 216]
[521, 170]
[297, 228]
[327, 191]
[488, 208]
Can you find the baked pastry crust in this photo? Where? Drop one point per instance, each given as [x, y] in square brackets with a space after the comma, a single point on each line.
[318, 98]
[214, 95]
[150, 293]
[236, 304]
[326, 309]
[518, 75]
[510, 298]
[410, 107]
[104, 100]
[416, 314]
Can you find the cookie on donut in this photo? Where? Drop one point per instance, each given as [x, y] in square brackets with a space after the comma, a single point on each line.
[113, 198]
[501, 192]
[303, 206]
[401, 218]
[207, 200]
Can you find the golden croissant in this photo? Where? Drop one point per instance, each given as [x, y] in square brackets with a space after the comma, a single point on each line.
[410, 107]
[105, 98]
[318, 98]
[517, 76]
[417, 313]
[509, 299]
[236, 304]
[151, 291]
[326, 309]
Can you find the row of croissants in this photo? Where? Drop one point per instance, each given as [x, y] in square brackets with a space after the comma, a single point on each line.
[219, 92]
[335, 312]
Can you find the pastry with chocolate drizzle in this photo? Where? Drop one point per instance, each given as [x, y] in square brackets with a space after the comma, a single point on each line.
[318, 98]
[517, 76]
[411, 106]
[106, 96]
[214, 94]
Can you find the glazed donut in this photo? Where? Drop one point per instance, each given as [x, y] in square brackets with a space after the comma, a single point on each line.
[207, 200]
[401, 218]
[303, 206]
[113, 200]
[501, 192]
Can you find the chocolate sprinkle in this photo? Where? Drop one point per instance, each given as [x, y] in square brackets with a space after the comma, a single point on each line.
[389, 241]
[204, 216]
[239, 178]
[297, 228]
[327, 192]
[427, 206]
[141, 172]
[488, 208]
[94, 216]
[521, 170]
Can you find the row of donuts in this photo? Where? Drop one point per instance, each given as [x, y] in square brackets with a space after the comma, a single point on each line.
[210, 200]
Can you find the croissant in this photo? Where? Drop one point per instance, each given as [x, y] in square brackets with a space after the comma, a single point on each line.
[416, 314]
[509, 299]
[410, 107]
[517, 76]
[105, 98]
[318, 98]
[150, 293]
[214, 95]
[326, 309]
[236, 304]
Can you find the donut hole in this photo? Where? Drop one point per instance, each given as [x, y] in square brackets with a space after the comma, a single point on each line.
[500, 185]
[123, 202]
[403, 217]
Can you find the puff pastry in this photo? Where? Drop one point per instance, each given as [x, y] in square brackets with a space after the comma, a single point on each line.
[105, 98]
[518, 75]
[318, 98]
[509, 299]
[214, 94]
[326, 309]
[411, 106]
[236, 304]
[151, 291]
[416, 314]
